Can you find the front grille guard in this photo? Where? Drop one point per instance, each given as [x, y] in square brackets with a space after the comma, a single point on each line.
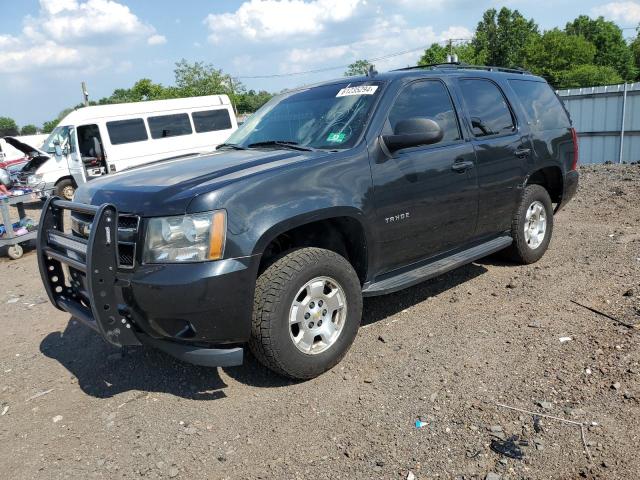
[96, 257]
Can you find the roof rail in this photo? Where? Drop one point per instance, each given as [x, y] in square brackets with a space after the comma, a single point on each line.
[467, 66]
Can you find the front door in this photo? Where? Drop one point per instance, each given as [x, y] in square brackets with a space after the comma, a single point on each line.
[426, 197]
[502, 150]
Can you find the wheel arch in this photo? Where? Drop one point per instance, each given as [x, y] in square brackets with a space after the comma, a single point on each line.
[550, 177]
[340, 229]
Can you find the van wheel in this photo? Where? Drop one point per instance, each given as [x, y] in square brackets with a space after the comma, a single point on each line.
[65, 189]
[532, 226]
[306, 313]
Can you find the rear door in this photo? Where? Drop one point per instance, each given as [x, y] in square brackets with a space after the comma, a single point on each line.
[426, 196]
[502, 152]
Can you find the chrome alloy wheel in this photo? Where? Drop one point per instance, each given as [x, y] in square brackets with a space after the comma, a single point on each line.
[68, 192]
[535, 225]
[317, 315]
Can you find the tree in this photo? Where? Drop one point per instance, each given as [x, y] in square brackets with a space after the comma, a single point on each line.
[8, 126]
[635, 51]
[28, 130]
[556, 52]
[501, 38]
[436, 53]
[611, 48]
[588, 76]
[249, 102]
[47, 127]
[359, 67]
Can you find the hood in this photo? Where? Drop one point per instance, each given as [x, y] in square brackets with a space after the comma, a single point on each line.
[167, 187]
[24, 148]
[34, 156]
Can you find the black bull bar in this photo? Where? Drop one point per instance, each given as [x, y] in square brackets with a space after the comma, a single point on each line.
[91, 266]
[81, 277]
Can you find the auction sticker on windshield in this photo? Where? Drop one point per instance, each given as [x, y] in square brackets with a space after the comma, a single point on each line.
[361, 90]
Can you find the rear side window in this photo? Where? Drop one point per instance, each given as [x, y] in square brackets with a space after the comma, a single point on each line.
[174, 125]
[127, 131]
[542, 105]
[426, 99]
[211, 120]
[488, 109]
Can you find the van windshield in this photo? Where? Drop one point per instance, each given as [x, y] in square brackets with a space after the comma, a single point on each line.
[62, 134]
[325, 117]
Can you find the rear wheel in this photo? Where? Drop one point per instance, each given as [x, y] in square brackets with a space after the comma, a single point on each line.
[65, 189]
[532, 226]
[307, 311]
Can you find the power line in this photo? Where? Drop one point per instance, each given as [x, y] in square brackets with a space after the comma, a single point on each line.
[337, 67]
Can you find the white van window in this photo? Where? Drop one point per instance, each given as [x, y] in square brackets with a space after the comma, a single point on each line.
[62, 135]
[169, 125]
[211, 120]
[127, 131]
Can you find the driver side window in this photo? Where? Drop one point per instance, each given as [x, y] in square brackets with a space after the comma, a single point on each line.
[426, 99]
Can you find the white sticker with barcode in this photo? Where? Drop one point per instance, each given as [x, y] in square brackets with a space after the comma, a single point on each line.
[361, 90]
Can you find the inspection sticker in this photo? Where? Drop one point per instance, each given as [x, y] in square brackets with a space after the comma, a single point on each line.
[336, 137]
[361, 90]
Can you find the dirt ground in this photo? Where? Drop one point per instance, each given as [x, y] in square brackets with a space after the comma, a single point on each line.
[446, 352]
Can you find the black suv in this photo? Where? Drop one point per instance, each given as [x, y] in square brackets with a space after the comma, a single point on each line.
[355, 187]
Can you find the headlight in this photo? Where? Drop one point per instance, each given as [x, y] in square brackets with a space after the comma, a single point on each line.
[34, 179]
[186, 238]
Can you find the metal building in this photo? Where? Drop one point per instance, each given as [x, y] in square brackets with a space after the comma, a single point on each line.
[607, 120]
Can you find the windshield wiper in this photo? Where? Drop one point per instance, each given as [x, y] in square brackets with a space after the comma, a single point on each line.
[233, 146]
[282, 144]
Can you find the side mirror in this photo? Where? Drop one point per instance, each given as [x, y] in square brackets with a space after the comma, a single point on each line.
[413, 132]
[58, 149]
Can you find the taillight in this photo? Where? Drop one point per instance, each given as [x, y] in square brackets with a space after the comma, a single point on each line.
[574, 137]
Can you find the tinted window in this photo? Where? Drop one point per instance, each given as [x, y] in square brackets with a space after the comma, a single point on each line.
[427, 99]
[169, 125]
[488, 109]
[126, 131]
[211, 120]
[542, 106]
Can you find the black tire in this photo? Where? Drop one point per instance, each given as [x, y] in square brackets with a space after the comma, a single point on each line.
[520, 251]
[276, 287]
[65, 189]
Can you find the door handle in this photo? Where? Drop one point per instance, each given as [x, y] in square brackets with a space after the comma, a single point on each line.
[522, 152]
[462, 166]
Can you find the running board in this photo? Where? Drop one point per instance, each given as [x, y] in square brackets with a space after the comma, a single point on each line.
[435, 268]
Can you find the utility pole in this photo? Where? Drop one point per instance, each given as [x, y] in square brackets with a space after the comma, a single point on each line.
[85, 94]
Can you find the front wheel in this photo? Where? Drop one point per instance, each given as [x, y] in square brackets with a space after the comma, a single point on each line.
[306, 314]
[65, 189]
[532, 226]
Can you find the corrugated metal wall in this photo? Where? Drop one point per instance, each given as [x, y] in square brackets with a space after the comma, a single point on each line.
[597, 115]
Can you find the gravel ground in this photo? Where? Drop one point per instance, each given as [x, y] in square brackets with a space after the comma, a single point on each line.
[446, 353]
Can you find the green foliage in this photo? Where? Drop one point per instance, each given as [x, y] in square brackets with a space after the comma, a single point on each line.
[47, 127]
[359, 67]
[28, 130]
[587, 52]
[635, 51]
[8, 126]
[249, 102]
[437, 53]
[611, 48]
[588, 76]
[501, 37]
[556, 52]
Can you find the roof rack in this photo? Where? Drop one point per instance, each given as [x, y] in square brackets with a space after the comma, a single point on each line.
[467, 66]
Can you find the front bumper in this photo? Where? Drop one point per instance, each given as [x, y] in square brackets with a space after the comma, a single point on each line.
[198, 312]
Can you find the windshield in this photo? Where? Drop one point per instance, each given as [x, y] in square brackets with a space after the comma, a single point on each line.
[325, 117]
[62, 135]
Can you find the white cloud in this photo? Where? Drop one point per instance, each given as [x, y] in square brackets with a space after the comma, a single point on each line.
[626, 12]
[157, 39]
[268, 19]
[67, 32]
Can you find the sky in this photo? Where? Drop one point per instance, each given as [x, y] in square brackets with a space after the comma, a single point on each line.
[48, 47]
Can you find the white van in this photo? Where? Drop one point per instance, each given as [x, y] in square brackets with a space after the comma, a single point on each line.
[98, 140]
